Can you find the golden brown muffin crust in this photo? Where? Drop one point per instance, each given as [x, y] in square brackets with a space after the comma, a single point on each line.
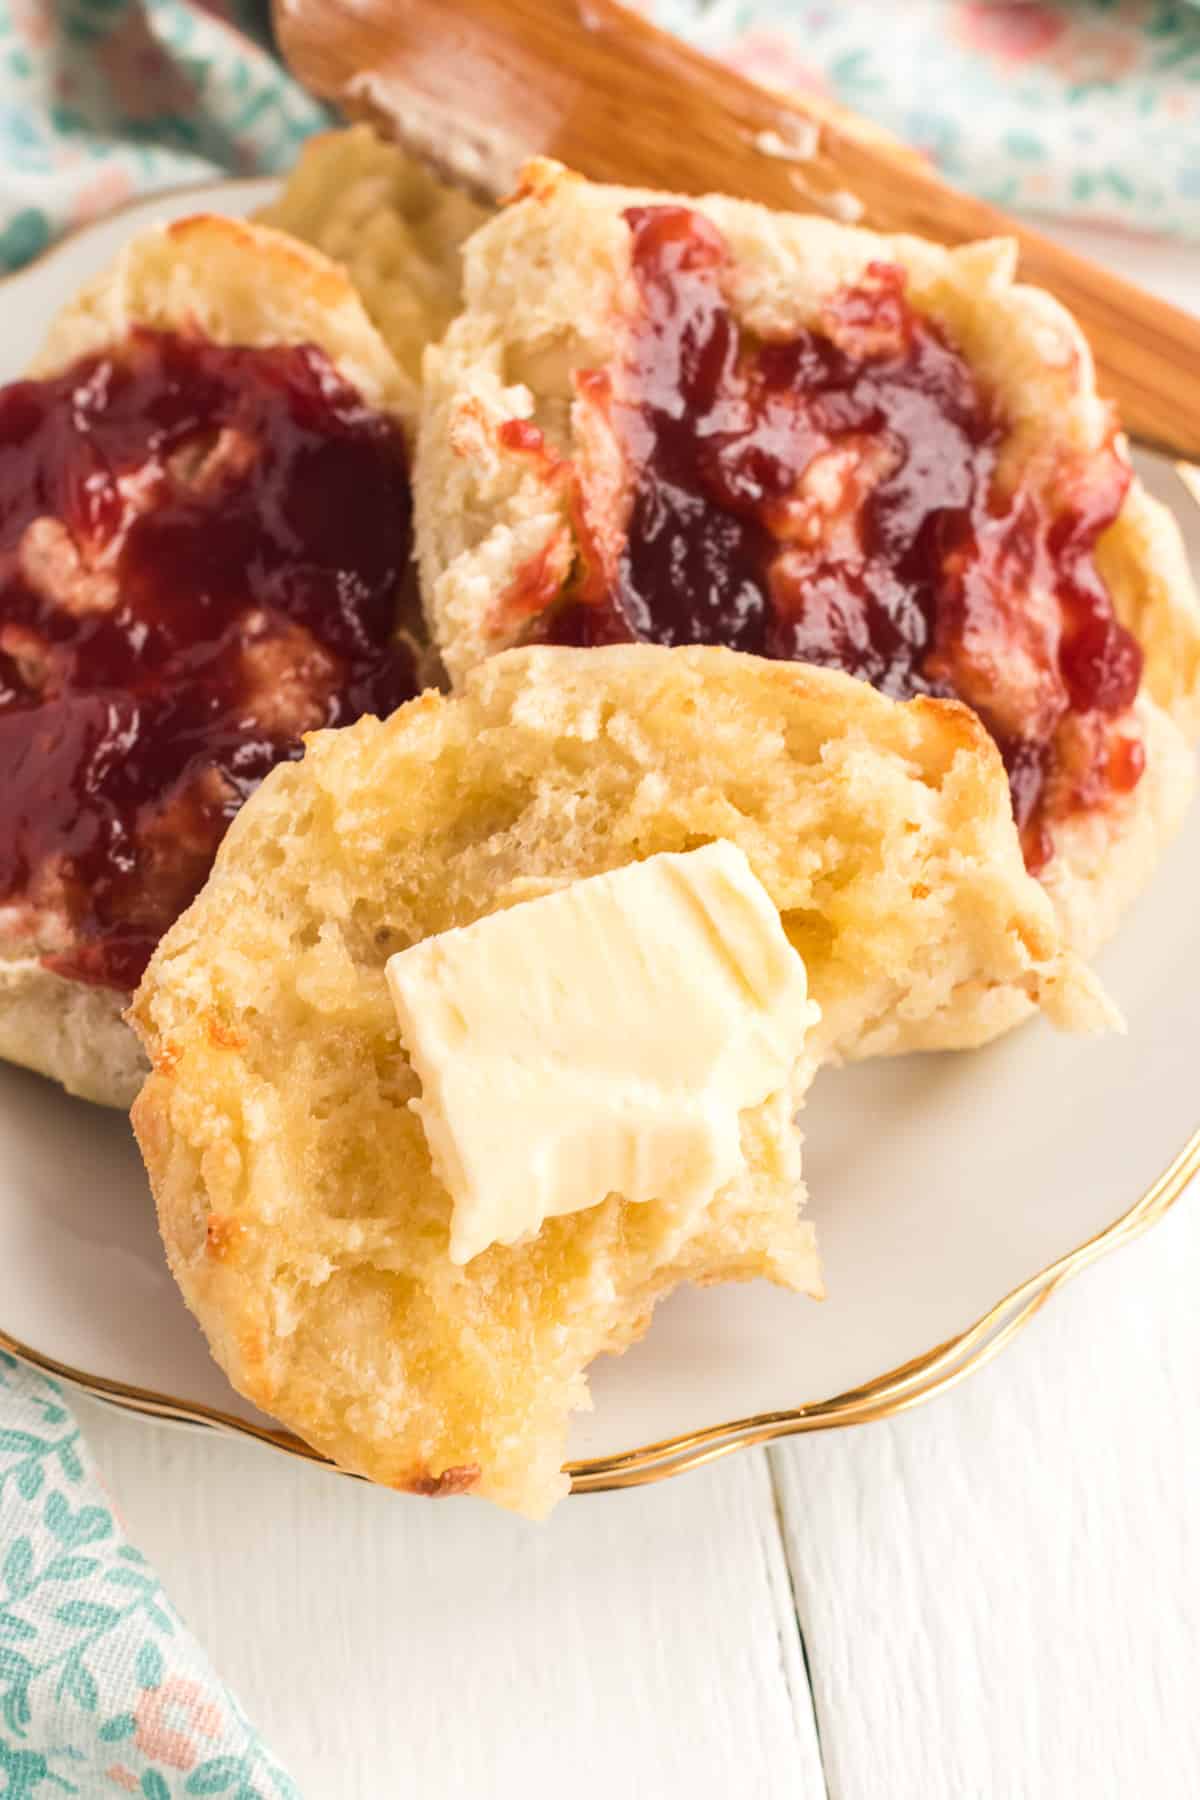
[296, 1198]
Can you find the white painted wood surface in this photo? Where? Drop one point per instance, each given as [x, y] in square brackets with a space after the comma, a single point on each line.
[639, 1644]
[998, 1595]
[1000, 1592]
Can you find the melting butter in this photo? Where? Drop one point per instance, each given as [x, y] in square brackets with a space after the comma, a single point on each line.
[600, 1039]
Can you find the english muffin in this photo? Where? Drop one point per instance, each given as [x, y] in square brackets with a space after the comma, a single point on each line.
[394, 228]
[697, 421]
[206, 537]
[296, 1194]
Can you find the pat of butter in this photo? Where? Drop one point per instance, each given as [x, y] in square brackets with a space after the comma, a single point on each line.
[601, 1039]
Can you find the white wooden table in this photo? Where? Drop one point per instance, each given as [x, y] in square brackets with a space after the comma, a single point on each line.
[996, 1595]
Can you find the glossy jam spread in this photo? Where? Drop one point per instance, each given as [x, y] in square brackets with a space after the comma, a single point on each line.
[834, 498]
[200, 553]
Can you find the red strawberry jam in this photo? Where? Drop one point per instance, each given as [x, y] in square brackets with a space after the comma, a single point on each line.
[833, 498]
[200, 554]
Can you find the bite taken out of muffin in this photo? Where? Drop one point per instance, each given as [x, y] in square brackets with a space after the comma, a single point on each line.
[308, 1216]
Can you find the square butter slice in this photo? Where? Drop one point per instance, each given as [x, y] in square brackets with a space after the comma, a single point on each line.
[601, 1039]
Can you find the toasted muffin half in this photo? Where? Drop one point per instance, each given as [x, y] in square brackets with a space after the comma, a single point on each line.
[297, 1199]
[683, 420]
[184, 591]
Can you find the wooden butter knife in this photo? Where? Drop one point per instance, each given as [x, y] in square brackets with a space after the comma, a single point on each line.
[477, 85]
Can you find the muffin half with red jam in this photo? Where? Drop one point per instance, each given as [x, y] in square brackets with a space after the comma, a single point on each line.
[204, 537]
[701, 422]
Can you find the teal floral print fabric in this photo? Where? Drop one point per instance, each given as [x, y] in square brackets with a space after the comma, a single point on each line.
[102, 1689]
[1083, 108]
[103, 100]
[1086, 108]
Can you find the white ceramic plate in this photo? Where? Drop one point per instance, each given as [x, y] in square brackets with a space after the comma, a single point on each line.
[951, 1193]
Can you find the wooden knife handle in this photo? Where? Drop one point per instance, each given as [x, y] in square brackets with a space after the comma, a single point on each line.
[477, 85]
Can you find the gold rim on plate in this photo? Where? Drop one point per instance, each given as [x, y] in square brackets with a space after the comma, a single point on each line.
[909, 1385]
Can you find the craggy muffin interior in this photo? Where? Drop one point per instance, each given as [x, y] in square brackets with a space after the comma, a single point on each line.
[296, 1196]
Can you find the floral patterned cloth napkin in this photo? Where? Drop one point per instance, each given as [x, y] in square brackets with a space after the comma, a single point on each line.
[1091, 108]
[102, 1689]
[102, 100]
[1083, 107]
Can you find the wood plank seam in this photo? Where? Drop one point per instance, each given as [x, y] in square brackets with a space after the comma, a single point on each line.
[790, 1600]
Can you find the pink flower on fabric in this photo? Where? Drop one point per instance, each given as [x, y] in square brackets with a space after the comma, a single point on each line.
[165, 1718]
[1096, 54]
[100, 196]
[143, 79]
[1013, 31]
[122, 1777]
[33, 22]
[772, 58]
